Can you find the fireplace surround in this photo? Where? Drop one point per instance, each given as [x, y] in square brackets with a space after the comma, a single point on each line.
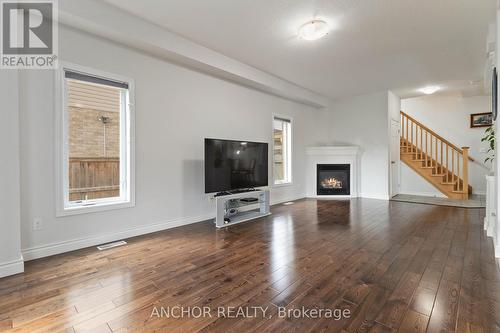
[346, 156]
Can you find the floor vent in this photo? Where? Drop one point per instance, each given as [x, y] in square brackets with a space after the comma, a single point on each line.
[288, 203]
[111, 245]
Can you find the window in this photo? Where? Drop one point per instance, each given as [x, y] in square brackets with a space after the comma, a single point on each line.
[282, 150]
[95, 141]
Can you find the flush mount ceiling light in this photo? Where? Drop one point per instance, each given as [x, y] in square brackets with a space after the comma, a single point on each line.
[314, 30]
[429, 90]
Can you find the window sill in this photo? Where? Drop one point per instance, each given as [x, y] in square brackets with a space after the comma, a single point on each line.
[98, 207]
[283, 184]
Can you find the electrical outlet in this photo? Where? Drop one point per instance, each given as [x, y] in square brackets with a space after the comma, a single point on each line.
[37, 223]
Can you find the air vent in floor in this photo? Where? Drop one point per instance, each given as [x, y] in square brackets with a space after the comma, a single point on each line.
[111, 245]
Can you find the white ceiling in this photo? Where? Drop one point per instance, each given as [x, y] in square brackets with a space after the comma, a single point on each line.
[374, 45]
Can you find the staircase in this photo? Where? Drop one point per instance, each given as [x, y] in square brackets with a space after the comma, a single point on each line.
[440, 162]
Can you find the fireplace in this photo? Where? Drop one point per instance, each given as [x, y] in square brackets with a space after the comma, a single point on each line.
[325, 160]
[333, 179]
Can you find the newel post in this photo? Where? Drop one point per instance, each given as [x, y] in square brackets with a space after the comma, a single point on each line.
[465, 151]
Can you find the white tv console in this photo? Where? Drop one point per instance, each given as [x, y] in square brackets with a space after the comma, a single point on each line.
[244, 211]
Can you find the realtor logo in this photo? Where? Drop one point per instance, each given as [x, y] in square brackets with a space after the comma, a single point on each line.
[29, 34]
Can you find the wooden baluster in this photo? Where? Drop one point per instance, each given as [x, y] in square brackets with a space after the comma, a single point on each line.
[447, 164]
[421, 142]
[465, 183]
[403, 129]
[404, 133]
[429, 150]
[434, 161]
[426, 148]
[452, 165]
[436, 154]
[459, 170]
[431, 156]
[441, 155]
[400, 126]
[407, 143]
[412, 141]
[416, 139]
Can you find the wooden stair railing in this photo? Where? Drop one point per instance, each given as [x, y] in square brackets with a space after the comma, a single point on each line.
[429, 150]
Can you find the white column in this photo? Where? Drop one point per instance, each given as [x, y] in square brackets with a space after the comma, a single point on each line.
[11, 260]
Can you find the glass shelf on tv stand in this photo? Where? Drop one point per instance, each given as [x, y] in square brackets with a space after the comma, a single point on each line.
[237, 203]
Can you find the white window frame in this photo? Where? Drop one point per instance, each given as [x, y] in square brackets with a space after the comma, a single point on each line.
[289, 181]
[127, 147]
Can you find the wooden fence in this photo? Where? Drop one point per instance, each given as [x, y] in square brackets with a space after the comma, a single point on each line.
[93, 178]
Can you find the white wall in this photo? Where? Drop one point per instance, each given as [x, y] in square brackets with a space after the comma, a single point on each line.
[496, 169]
[449, 116]
[175, 109]
[11, 261]
[362, 121]
[412, 183]
[394, 102]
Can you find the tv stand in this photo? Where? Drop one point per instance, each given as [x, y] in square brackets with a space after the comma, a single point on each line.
[231, 209]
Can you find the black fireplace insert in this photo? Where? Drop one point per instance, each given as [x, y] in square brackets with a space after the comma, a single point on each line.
[333, 179]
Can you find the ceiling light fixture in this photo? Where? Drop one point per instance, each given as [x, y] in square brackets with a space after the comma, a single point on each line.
[429, 90]
[314, 30]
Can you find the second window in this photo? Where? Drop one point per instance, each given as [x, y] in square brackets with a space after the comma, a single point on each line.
[282, 152]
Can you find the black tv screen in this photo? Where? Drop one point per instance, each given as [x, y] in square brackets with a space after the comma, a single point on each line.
[231, 165]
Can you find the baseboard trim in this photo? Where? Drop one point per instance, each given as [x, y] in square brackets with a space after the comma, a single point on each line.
[12, 267]
[375, 196]
[280, 201]
[424, 194]
[80, 243]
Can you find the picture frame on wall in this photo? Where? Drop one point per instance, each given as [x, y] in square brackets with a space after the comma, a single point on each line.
[481, 119]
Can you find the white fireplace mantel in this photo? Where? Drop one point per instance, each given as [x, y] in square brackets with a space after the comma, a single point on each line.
[333, 155]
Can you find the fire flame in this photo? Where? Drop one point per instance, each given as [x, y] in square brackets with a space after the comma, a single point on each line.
[331, 183]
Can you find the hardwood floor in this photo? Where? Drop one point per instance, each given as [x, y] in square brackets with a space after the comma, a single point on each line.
[393, 266]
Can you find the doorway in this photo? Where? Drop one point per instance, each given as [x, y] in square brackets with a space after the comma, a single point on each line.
[394, 157]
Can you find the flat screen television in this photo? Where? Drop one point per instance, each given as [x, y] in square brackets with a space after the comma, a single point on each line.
[232, 165]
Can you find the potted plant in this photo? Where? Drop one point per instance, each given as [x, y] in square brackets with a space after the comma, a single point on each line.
[489, 137]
